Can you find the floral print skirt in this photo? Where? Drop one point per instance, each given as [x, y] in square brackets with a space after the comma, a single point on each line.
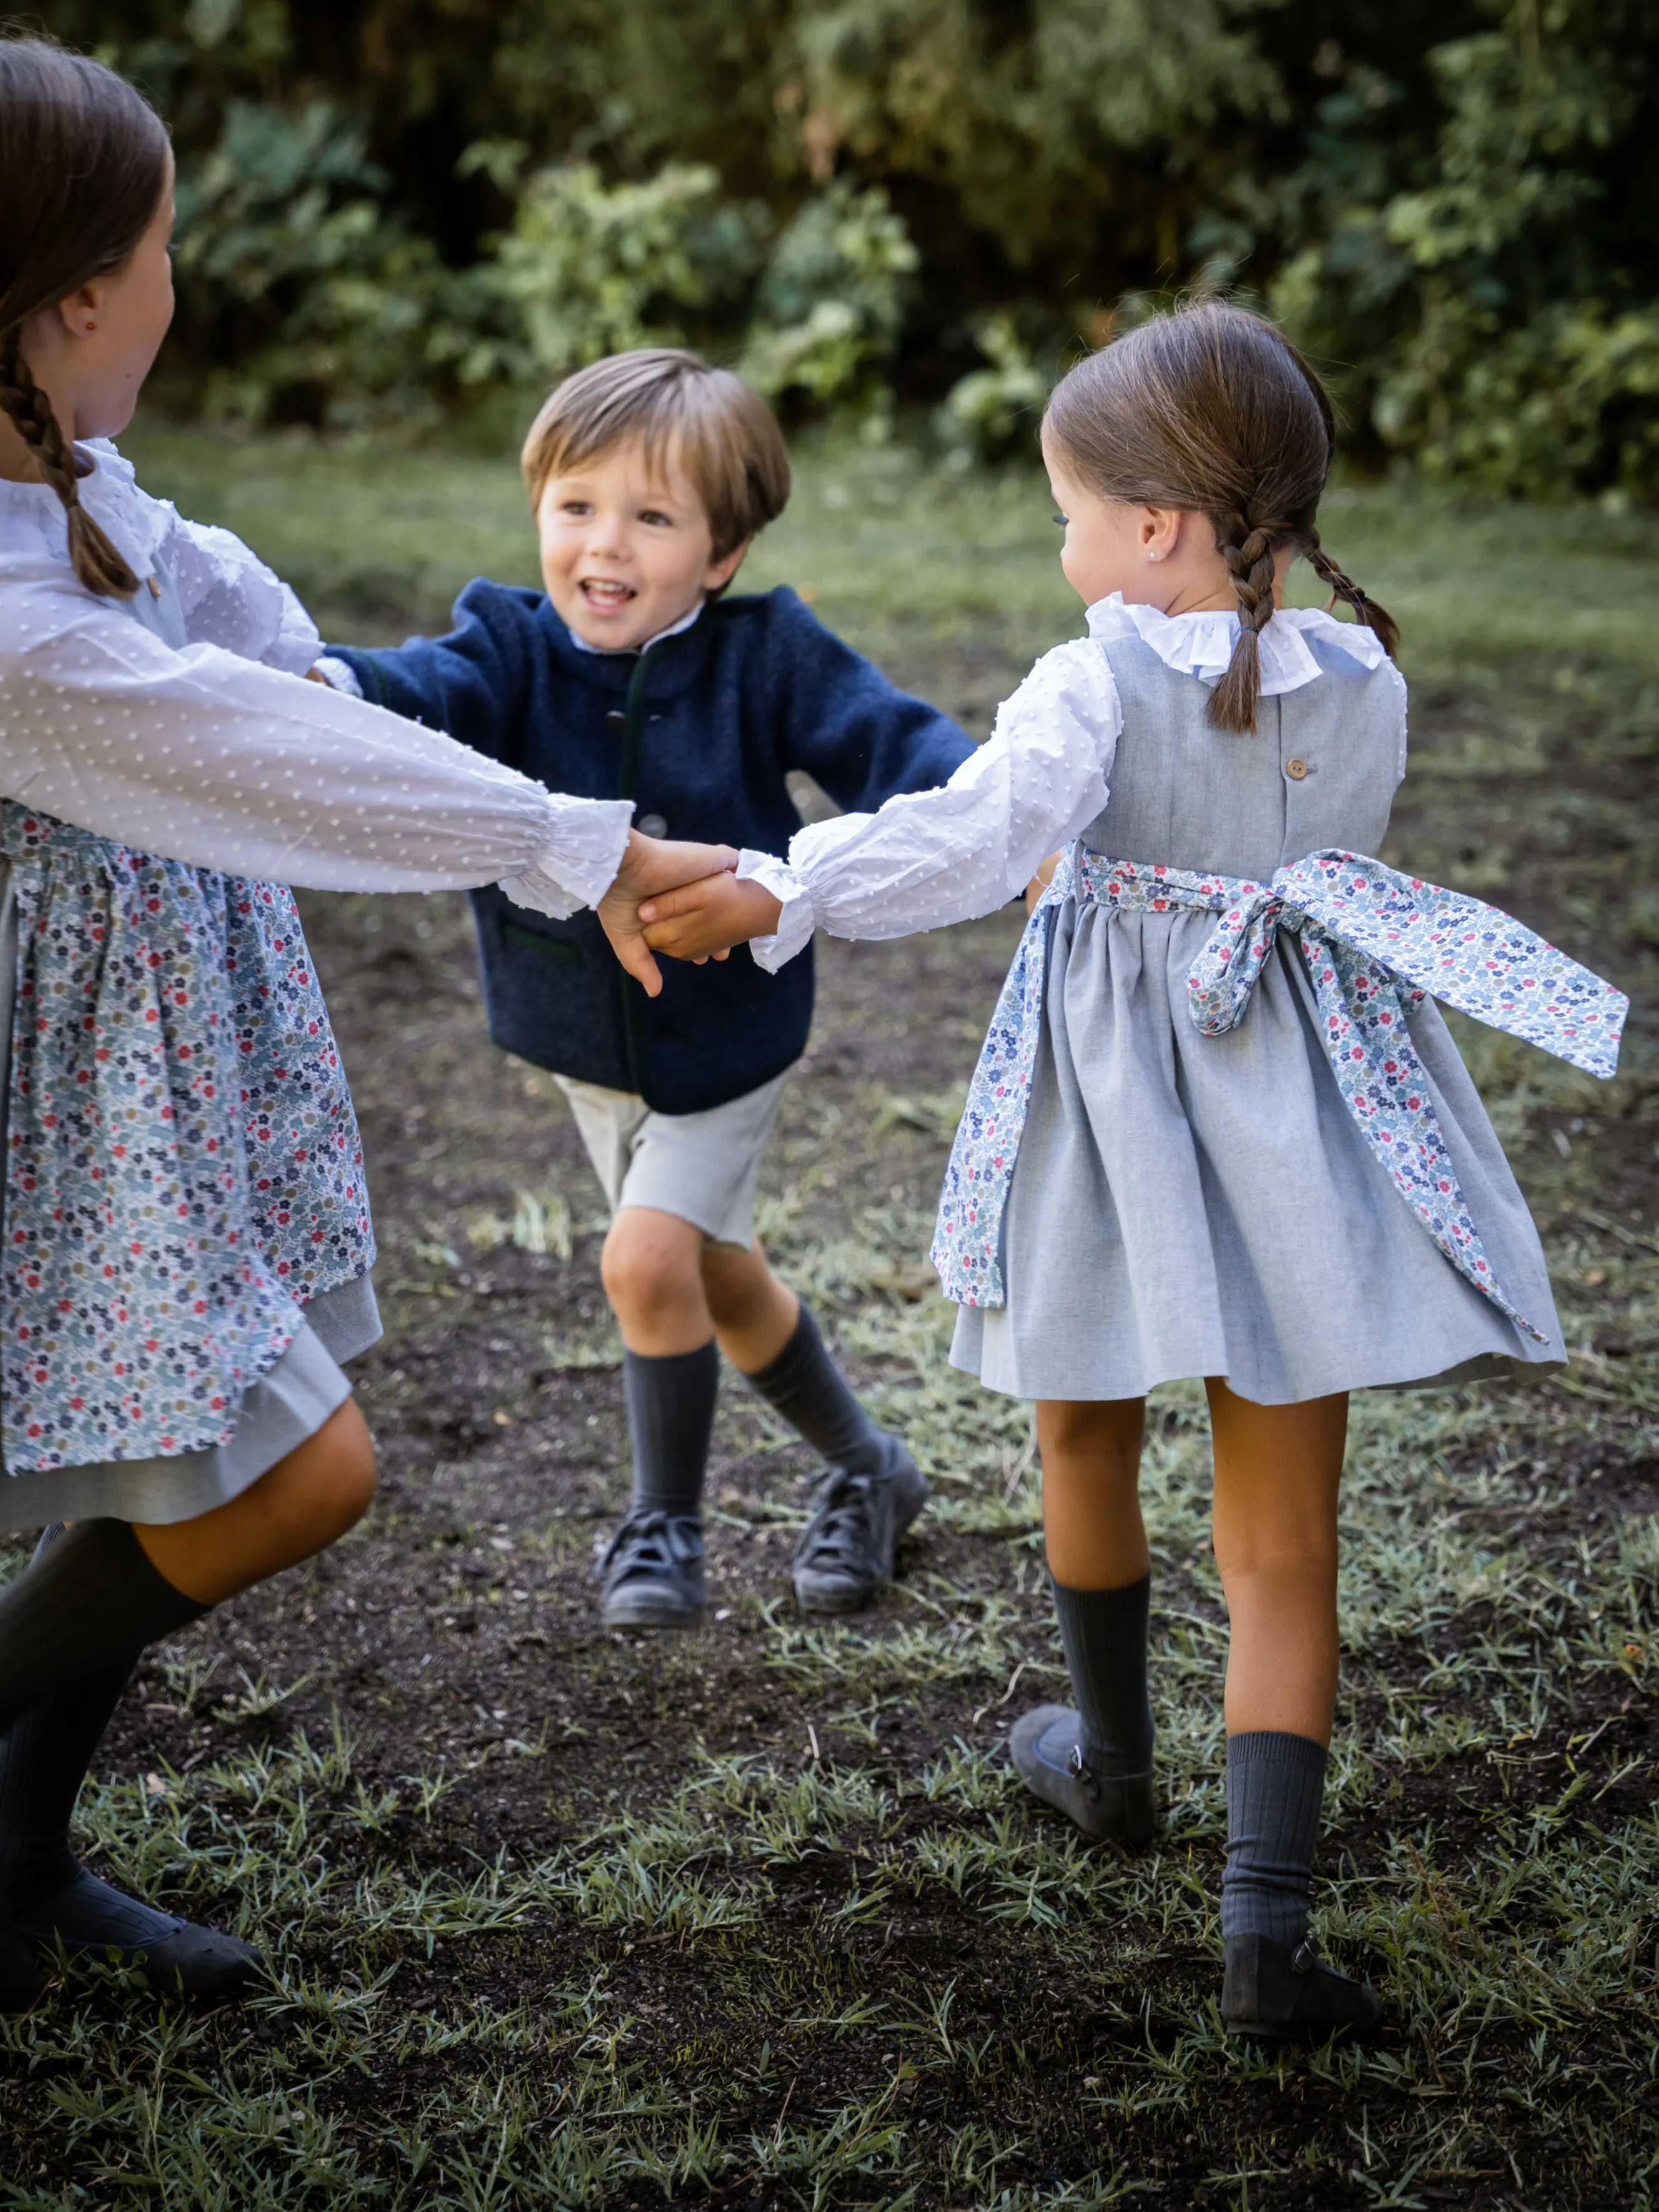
[184, 1179]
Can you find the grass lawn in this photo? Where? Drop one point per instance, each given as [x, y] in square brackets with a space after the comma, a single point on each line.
[758, 1918]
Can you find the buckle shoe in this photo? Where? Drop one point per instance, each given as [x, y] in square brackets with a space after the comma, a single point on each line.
[1285, 1993]
[88, 1919]
[1047, 1750]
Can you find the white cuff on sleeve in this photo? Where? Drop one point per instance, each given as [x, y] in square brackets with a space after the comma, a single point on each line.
[799, 916]
[338, 675]
[579, 866]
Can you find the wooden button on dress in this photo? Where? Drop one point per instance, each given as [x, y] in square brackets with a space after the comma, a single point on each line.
[1296, 769]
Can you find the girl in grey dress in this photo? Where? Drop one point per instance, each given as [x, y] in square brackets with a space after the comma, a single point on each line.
[1217, 1128]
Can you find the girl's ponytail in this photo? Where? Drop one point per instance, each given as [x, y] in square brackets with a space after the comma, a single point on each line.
[83, 162]
[1342, 587]
[97, 562]
[1248, 553]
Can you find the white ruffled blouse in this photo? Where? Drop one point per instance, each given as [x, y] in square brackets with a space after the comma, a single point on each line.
[931, 857]
[222, 755]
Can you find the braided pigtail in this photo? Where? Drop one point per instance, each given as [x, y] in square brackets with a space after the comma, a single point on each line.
[1343, 587]
[1248, 553]
[97, 563]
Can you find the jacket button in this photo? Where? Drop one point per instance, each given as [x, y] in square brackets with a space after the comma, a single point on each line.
[651, 825]
[617, 719]
[1296, 769]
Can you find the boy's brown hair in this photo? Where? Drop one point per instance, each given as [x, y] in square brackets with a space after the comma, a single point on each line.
[715, 429]
[1213, 409]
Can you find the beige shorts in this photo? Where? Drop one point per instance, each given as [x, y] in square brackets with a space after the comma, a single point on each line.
[702, 1167]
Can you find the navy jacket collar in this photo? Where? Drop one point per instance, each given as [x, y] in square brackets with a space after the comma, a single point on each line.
[676, 662]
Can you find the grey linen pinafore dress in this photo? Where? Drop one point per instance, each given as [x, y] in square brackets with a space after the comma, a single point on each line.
[1184, 1204]
[278, 1411]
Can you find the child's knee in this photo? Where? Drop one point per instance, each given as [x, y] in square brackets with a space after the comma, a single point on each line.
[340, 1482]
[649, 1265]
[359, 1473]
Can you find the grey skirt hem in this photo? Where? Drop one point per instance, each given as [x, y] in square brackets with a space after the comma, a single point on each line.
[289, 1403]
[980, 1345]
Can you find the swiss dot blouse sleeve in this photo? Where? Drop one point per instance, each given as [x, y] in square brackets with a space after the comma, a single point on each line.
[969, 847]
[230, 599]
[230, 763]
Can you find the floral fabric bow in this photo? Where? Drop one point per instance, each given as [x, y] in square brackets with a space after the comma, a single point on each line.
[1375, 943]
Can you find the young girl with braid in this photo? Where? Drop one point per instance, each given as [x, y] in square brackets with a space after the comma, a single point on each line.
[186, 1247]
[1217, 1130]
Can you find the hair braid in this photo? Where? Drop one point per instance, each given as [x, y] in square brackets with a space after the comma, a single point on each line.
[1366, 610]
[1248, 550]
[97, 563]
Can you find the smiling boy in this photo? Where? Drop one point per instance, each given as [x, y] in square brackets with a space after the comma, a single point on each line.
[633, 675]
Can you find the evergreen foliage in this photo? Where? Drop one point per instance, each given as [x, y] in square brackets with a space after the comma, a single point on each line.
[390, 204]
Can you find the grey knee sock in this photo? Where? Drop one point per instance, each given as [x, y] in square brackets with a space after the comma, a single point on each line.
[44, 1758]
[90, 1601]
[1275, 1784]
[671, 1416]
[805, 1386]
[1104, 1634]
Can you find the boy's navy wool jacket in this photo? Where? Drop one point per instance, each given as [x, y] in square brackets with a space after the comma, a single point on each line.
[699, 731]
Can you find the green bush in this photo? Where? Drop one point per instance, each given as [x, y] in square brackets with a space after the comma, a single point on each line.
[1448, 200]
[590, 269]
[308, 298]
[993, 412]
[830, 307]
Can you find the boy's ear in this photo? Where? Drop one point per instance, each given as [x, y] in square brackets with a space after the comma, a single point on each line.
[719, 574]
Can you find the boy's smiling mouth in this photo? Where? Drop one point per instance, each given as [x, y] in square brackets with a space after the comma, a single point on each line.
[605, 595]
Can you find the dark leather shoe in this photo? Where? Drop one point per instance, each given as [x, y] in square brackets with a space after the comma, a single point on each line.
[1285, 1993]
[846, 1552]
[1046, 1748]
[175, 1957]
[653, 1572]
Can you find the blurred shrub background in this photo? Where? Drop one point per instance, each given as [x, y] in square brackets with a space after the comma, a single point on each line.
[395, 211]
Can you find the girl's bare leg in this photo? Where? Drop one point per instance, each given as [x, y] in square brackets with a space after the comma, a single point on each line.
[298, 1507]
[1277, 1473]
[1091, 1523]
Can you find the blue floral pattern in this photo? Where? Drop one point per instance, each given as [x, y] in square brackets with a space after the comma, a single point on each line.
[184, 1171]
[1376, 943]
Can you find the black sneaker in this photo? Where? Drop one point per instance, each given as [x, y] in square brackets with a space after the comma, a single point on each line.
[1285, 1993]
[1046, 1747]
[653, 1572]
[846, 1553]
[176, 1957]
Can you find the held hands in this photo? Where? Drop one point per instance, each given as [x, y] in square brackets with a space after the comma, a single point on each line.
[711, 916]
[656, 864]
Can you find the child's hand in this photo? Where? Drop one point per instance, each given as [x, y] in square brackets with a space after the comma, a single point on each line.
[1041, 881]
[648, 865]
[710, 916]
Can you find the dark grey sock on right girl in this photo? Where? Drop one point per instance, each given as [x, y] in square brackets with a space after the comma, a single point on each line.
[1275, 1787]
[1104, 1635]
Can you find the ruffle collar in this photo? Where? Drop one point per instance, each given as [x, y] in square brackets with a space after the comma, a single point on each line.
[136, 523]
[1201, 644]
